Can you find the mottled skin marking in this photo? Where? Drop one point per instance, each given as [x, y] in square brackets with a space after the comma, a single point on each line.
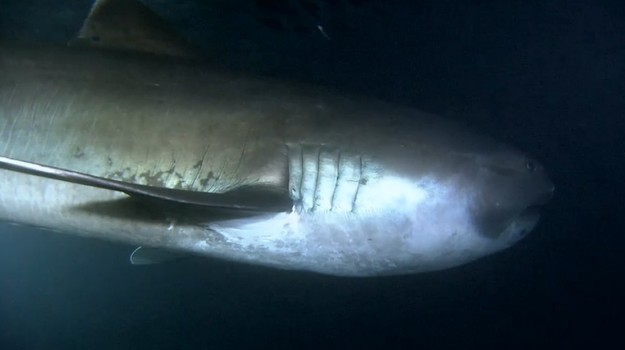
[78, 153]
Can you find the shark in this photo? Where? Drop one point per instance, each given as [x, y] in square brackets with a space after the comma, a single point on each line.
[127, 135]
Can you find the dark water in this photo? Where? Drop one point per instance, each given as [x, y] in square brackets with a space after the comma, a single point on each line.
[547, 76]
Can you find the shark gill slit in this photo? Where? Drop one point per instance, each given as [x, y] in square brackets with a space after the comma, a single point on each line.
[319, 178]
[301, 177]
[312, 192]
[336, 181]
[357, 184]
[299, 162]
[289, 172]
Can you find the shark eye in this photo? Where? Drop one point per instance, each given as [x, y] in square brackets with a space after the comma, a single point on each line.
[531, 166]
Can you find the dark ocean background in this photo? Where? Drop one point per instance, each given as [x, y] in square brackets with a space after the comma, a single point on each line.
[546, 76]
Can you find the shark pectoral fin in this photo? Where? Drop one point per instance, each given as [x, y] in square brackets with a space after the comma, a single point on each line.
[131, 26]
[150, 256]
[237, 200]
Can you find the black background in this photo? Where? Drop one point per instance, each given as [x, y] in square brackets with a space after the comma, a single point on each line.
[546, 76]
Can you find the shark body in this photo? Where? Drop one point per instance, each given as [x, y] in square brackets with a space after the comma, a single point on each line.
[162, 152]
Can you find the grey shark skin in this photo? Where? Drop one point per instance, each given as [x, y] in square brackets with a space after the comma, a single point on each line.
[338, 184]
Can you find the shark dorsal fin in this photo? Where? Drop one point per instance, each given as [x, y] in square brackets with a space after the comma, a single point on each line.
[129, 25]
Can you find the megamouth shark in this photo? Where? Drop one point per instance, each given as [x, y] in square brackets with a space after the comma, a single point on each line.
[126, 135]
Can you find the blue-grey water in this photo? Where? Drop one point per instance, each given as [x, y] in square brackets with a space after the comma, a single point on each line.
[547, 76]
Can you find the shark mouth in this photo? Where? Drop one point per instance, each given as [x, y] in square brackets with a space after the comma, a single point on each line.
[530, 212]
